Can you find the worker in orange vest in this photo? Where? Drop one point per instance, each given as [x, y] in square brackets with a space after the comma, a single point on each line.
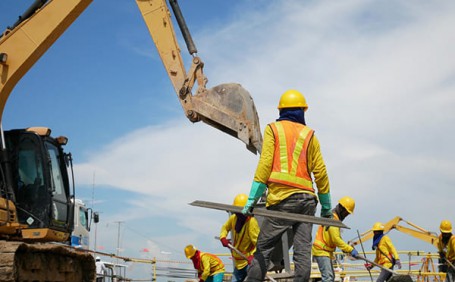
[209, 267]
[329, 238]
[290, 156]
[386, 254]
[245, 231]
[446, 249]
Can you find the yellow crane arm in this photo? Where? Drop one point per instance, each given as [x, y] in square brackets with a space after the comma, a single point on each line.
[22, 46]
[426, 236]
[416, 232]
[158, 20]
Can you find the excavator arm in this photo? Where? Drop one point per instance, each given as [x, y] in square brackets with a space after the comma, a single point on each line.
[227, 107]
[22, 45]
[414, 231]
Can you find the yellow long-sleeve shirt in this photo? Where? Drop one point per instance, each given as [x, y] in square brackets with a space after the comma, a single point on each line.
[210, 265]
[278, 192]
[244, 241]
[331, 238]
[448, 249]
[385, 247]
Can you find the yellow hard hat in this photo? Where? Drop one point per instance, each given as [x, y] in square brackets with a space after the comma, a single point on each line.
[446, 226]
[378, 226]
[240, 200]
[348, 203]
[292, 99]
[190, 250]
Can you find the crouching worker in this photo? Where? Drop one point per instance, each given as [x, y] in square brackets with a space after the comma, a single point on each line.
[328, 238]
[209, 267]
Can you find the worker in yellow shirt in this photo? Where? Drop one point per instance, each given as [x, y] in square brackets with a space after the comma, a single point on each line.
[386, 254]
[290, 159]
[209, 267]
[446, 249]
[329, 238]
[244, 231]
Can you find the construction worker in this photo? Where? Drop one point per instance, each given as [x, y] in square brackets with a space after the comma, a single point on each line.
[209, 267]
[244, 231]
[101, 270]
[386, 254]
[328, 238]
[446, 249]
[290, 154]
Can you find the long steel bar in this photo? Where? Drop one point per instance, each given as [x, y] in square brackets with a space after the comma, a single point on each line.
[270, 213]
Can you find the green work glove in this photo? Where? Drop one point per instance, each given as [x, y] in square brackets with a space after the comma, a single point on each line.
[326, 205]
[257, 189]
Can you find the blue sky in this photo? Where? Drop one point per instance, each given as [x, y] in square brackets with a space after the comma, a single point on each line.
[379, 78]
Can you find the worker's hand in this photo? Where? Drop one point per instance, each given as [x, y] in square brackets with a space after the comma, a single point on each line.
[398, 263]
[256, 191]
[368, 266]
[250, 259]
[326, 213]
[354, 253]
[225, 242]
[248, 208]
[326, 205]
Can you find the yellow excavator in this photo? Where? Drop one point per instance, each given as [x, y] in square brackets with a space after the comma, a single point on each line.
[36, 177]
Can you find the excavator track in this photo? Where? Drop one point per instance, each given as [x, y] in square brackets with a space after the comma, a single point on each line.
[37, 262]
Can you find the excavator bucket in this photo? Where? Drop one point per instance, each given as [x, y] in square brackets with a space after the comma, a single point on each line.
[230, 108]
[227, 107]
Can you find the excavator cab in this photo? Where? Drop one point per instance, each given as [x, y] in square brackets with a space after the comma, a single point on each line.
[40, 184]
[228, 107]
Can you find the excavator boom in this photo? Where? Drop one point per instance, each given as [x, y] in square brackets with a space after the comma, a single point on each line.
[22, 46]
[414, 231]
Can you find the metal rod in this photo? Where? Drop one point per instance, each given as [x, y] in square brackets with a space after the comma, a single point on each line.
[363, 250]
[275, 214]
[378, 265]
[183, 27]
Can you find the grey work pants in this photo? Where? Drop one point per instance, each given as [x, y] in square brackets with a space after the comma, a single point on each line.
[326, 268]
[271, 231]
[384, 275]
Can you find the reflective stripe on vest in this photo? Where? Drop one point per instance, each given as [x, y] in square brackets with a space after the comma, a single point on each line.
[385, 259]
[214, 268]
[320, 243]
[290, 167]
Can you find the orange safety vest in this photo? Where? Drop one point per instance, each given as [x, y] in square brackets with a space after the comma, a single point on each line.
[290, 157]
[321, 243]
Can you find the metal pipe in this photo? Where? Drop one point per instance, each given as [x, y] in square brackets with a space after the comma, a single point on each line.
[183, 27]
